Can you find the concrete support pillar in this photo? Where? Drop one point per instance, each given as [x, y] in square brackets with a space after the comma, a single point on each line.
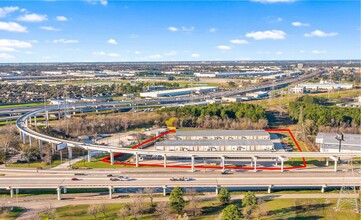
[255, 163]
[110, 192]
[40, 142]
[21, 135]
[282, 165]
[29, 120]
[65, 190]
[11, 192]
[17, 191]
[136, 160]
[223, 162]
[164, 160]
[276, 161]
[46, 115]
[35, 123]
[192, 163]
[327, 161]
[335, 159]
[217, 189]
[165, 190]
[70, 153]
[26, 123]
[31, 141]
[323, 188]
[269, 190]
[89, 156]
[111, 158]
[24, 138]
[58, 190]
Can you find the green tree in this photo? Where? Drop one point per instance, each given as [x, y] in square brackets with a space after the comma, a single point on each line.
[177, 202]
[224, 196]
[231, 212]
[249, 200]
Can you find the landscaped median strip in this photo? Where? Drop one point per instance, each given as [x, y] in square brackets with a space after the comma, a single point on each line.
[107, 158]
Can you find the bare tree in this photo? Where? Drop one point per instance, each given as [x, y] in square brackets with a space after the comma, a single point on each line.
[150, 192]
[259, 210]
[93, 210]
[124, 211]
[48, 212]
[193, 206]
[8, 141]
[163, 210]
[137, 205]
[103, 208]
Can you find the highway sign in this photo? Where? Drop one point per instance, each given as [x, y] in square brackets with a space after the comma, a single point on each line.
[61, 146]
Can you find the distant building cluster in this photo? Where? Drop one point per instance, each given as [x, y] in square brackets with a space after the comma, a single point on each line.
[218, 140]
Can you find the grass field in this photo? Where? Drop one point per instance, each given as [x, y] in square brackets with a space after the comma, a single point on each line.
[33, 104]
[13, 214]
[97, 163]
[36, 164]
[276, 209]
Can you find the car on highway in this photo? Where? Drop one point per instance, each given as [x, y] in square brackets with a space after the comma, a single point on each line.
[180, 179]
[74, 179]
[120, 178]
[109, 175]
[225, 172]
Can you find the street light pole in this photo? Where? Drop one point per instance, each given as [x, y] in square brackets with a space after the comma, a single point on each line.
[340, 138]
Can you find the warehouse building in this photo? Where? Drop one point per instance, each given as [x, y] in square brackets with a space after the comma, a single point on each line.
[215, 145]
[328, 143]
[178, 92]
[223, 135]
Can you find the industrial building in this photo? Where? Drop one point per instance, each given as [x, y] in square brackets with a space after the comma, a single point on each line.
[325, 86]
[215, 145]
[328, 143]
[233, 74]
[223, 135]
[178, 92]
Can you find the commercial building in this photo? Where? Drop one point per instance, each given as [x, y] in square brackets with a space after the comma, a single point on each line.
[298, 89]
[215, 145]
[232, 99]
[328, 143]
[178, 92]
[257, 95]
[326, 86]
[223, 135]
[234, 74]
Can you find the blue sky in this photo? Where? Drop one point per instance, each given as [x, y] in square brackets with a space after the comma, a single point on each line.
[100, 30]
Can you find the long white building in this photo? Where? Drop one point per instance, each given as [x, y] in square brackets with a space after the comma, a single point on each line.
[328, 142]
[223, 135]
[178, 92]
[215, 145]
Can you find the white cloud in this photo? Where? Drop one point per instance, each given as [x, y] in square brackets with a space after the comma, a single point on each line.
[63, 41]
[196, 55]
[223, 47]
[14, 43]
[137, 52]
[12, 27]
[112, 41]
[319, 33]
[7, 49]
[188, 29]
[318, 51]
[33, 18]
[279, 52]
[279, 19]
[212, 30]
[300, 24]
[49, 28]
[273, 1]
[173, 29]
[171, 53]
[239, 41]
[6, 56]
[263, 35]
[155, 56]
[7, 10]
[61, 18]
[102, 53]
[103, 2]
[302, 51]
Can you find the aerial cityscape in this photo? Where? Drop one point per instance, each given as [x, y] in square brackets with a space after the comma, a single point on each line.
[181, 110]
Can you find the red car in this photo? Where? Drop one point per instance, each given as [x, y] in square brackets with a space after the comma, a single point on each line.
[74, 179]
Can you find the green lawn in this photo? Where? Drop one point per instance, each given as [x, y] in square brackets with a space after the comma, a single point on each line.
[36, 164]
[97, 163]
[23, 105]
[276, 209]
